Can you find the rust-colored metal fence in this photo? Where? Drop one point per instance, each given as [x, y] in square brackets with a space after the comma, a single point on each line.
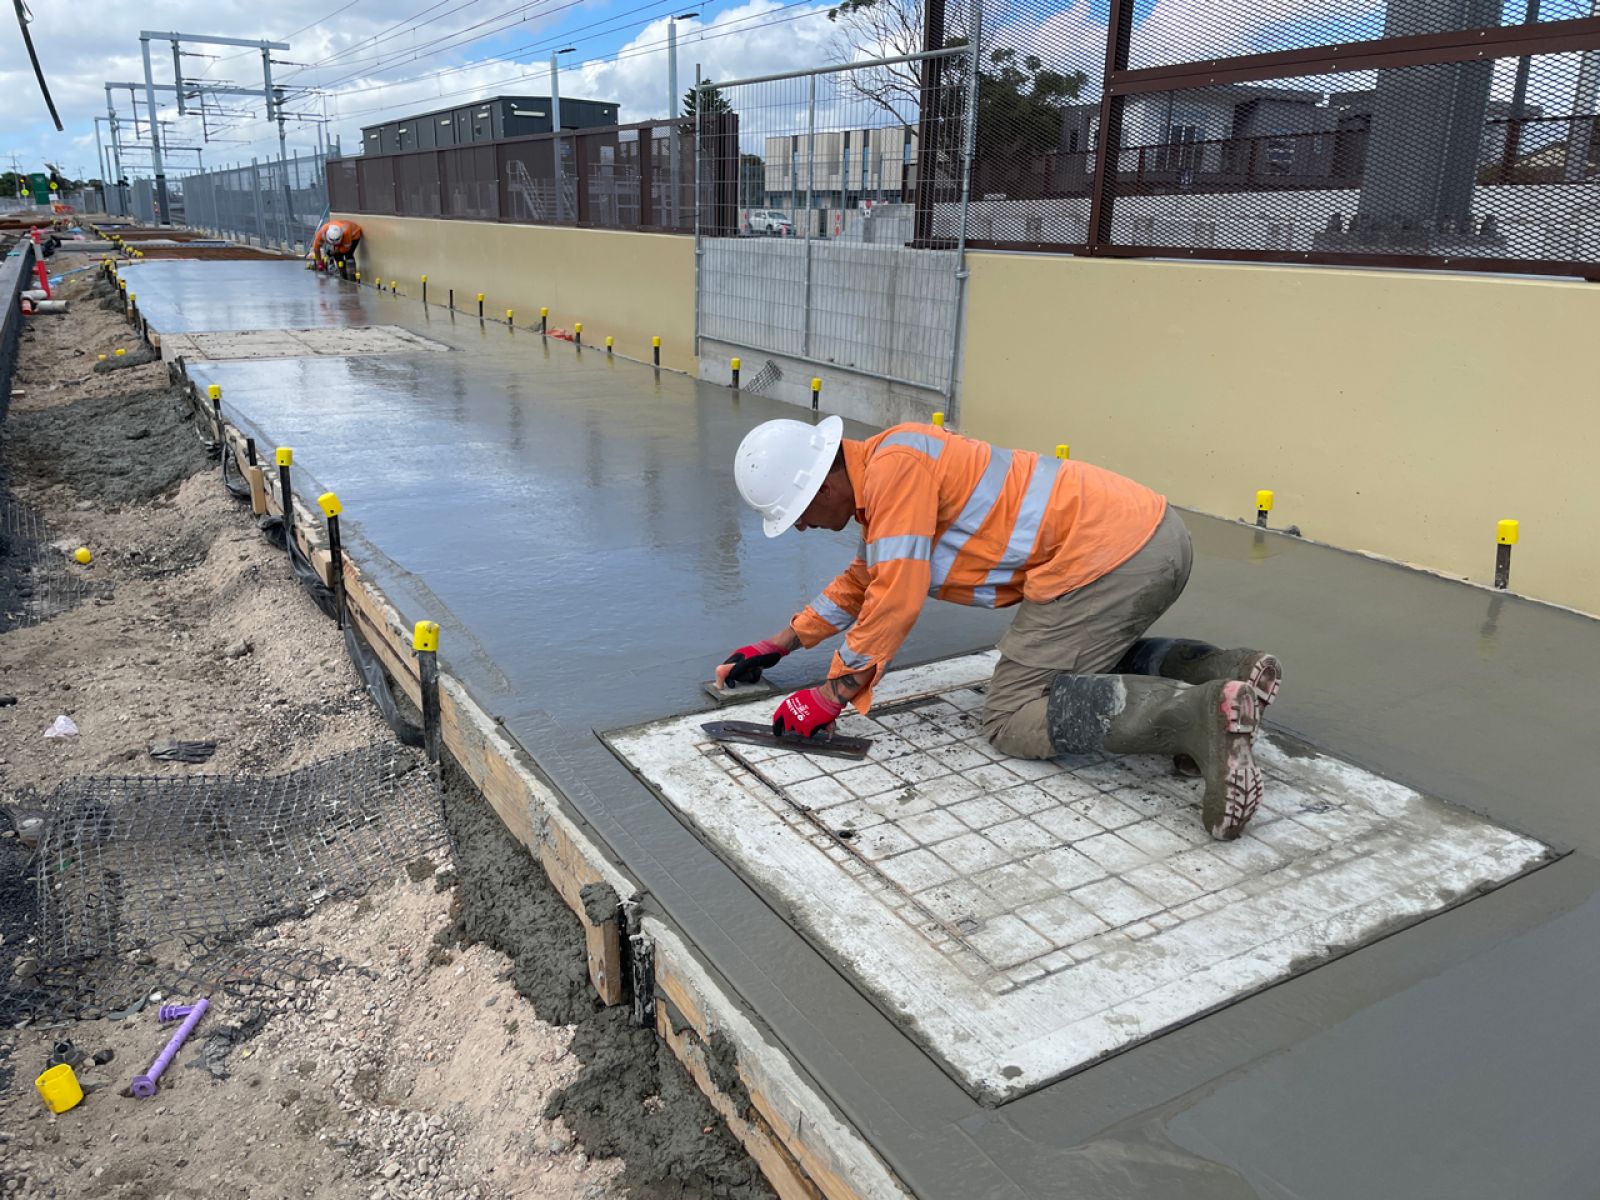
[1445, 134]
[619, 177]
[1456, 134]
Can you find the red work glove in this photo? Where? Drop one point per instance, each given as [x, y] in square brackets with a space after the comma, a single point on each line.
[746, 663]
[805, 713]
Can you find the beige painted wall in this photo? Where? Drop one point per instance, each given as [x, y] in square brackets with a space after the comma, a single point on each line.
[1393, 412]
[630, 285]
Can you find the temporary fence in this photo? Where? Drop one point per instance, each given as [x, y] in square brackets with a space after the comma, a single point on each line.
[809, 188]
[273, 203]
[614, 177]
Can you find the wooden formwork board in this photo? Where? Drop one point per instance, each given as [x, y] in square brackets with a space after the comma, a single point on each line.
[805, 1150]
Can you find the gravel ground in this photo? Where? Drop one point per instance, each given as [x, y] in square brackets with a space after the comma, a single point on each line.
[456, 1051]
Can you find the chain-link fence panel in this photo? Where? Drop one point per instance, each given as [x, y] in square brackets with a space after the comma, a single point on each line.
[813, 242]
[272, 203]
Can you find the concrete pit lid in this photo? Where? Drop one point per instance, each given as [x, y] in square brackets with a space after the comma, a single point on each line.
[1022, 920]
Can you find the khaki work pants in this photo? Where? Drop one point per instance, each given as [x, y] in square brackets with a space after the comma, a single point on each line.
[1086, 631]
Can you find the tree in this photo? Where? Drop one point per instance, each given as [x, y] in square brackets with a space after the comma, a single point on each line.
[1020, 103]
[715, 101]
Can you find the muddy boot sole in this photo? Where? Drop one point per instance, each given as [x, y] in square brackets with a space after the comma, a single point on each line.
[1265, 676]
[1233, 781]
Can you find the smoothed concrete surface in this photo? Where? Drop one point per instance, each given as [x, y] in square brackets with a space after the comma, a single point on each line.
[573, 524]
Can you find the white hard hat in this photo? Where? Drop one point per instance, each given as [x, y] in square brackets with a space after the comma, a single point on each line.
[780, 467]
[335, 232]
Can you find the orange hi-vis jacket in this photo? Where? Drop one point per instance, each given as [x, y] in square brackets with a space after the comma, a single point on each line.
[351, 232]
[948, 516]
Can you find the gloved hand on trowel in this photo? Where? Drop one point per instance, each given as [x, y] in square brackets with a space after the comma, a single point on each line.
[744, 665]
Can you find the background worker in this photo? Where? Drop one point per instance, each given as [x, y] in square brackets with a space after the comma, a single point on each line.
[333, 246]
[1089, 558]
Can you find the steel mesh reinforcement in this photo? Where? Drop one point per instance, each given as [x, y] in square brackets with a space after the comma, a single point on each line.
[37, 581]
[168, 880]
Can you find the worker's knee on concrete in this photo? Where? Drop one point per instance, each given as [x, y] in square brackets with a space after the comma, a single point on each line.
[1019, 730]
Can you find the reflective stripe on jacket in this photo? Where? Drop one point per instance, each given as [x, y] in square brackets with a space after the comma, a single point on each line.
[948, 516]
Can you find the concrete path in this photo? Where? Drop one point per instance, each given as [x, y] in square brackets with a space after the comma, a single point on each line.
[573, 525]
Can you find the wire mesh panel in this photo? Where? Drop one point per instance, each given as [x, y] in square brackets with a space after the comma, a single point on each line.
[131, 862]
[1423, 160]
[809, 219]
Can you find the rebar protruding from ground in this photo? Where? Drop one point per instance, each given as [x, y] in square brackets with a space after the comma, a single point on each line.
[144, 1086]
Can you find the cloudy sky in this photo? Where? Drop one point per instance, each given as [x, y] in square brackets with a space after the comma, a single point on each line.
[365, 61]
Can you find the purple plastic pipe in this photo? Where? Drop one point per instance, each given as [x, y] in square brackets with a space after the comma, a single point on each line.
[144, 1086]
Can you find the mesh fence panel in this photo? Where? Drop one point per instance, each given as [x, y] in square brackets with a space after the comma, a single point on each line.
[1419, 160]
[809, 220]
[267, 203]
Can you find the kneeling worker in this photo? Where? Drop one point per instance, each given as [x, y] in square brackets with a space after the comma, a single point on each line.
[334, 246]
[1090, 558]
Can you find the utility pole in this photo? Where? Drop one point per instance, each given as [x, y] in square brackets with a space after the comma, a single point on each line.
[672, 62]
[162, 206]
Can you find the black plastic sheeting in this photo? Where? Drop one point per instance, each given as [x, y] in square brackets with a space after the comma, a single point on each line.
[372, 672]
[238, 488]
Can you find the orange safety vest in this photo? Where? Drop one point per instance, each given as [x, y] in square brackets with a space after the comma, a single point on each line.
[958, 519]
[351, 232]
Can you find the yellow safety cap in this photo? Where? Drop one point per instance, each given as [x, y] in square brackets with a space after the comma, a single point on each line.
[480, 297]
[284, 456]
[610, 341]
[656, 341]
[938, 420]
[1507, 532]
[102, 358]
[132, 296]
[544, 312]
[82, 555]
[1264, 500]
[424, 279]
[120, 353]
[577, 327]
[60, 1088]
[734, 363]
[425, 636]
[358, 276]
[329, 503]
[1063, 450]
[215, 391]
[816, 385]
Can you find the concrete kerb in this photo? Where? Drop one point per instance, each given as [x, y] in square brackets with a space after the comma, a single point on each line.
[793, 1133]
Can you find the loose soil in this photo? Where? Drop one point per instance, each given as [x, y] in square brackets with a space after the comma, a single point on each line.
[461, 1051]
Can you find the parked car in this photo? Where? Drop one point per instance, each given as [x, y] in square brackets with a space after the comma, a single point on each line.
[771, 222]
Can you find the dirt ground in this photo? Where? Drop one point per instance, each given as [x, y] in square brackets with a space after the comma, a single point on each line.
[459, 1051]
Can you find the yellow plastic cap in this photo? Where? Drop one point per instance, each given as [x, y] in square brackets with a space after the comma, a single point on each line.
[610, 341]
[1063, 450]
[734, 363]
[1507, 532]
[816, 385]
[425, 636]
[132, 296]
[120, 353]
[656, 341]
[214, 391]
[424, 279]
[577, 327]
[329, 503]
[59, 1087]
[480, 297]
[358, 276]
[1264, 501]
[938, 420]
[508, 314]
[284, 456]
[544, 312]
[82, 555]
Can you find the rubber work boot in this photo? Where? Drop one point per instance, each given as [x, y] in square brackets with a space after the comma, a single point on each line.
[1213, 723]
[1201, 662]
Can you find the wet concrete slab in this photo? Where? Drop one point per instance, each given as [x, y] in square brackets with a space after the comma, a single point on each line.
[1024, 919]
[572, 523]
